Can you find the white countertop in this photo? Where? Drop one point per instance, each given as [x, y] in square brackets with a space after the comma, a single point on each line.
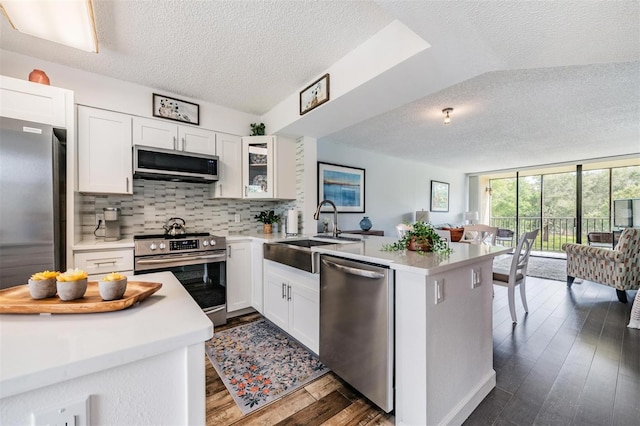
[40, 350]
[370, 250]
[100, 244]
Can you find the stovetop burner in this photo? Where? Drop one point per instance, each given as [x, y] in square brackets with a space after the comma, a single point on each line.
[170, 237]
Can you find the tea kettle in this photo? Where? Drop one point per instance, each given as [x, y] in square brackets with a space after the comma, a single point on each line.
[174, 228]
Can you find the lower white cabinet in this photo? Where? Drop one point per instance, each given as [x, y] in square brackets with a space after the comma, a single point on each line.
[257, 282]
[97, 264]
[239, 274]
[292, 302]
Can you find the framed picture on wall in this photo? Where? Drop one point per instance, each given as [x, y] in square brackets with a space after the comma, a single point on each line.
[343, 185]
[439, 196]
[175, 109]
[314, 95]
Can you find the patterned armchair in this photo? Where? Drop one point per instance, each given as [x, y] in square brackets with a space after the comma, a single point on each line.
[618, 268]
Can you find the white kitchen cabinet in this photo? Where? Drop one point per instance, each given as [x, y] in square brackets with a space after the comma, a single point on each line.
[268, 167]
[99, 263]
[40, 103]
[239, 274]
[104, 152]
[257, 271]
[167, 135]
[292, 302]
[229, 150]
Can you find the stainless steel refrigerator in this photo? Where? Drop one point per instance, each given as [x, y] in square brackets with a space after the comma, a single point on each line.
[32, 200]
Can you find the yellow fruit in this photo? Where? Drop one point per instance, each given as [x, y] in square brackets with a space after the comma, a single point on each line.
[114, 276]
[72, 275]
[46, 275]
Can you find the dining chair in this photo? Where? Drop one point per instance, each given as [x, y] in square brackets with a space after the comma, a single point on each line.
[478, 234]
[517, 273]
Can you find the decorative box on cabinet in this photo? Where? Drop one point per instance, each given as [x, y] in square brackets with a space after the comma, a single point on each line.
[161, 134]
[104, 152]
[268, 167]
[292, 302]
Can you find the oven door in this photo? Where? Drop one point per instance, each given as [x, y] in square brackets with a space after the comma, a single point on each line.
[203, 275]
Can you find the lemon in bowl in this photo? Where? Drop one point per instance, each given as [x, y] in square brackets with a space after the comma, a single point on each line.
[112, 286]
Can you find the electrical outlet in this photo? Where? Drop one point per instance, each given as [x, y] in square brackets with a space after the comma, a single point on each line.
[99, 218]
[476, 277]
[73, 413]
[236, 218]
[439, 287]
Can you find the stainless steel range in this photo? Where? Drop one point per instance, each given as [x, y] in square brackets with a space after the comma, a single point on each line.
[198, 261]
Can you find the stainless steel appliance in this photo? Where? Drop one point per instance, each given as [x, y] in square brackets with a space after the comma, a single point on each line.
[166, 164]
[356, 326]
[198, 261]
[32, 203]
[111, 223]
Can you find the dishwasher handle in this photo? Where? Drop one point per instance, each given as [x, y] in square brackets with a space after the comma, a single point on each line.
[354, 271]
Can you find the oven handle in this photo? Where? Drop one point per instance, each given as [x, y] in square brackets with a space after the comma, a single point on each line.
[157, 261]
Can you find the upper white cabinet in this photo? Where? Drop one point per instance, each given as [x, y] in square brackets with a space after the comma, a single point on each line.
[268, 167]
[229, 150]
[104, 152]
[25, 100]
[161, 134]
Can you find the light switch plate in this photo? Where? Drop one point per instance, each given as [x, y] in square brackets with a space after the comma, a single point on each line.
[74, 413]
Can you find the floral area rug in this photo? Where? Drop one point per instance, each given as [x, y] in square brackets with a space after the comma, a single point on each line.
[259, 363]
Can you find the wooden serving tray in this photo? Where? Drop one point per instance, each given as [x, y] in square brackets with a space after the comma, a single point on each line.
[17, 300]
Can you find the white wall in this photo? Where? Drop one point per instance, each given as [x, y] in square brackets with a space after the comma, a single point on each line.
[118, 95]
[395, 188]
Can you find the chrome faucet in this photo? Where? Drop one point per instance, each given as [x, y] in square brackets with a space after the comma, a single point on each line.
[316, 215]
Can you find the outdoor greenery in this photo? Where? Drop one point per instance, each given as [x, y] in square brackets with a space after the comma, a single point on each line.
[549, 202]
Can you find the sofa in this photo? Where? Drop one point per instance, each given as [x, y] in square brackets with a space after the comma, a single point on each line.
[618, 268]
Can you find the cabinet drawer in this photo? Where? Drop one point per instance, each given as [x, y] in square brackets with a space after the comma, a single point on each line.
[103, 262]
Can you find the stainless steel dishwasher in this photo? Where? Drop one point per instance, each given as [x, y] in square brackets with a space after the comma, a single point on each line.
[356, 326]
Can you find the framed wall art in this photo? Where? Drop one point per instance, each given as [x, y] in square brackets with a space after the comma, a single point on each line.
[314, 95]
[343, 185]
[175, 109]
[439, 196]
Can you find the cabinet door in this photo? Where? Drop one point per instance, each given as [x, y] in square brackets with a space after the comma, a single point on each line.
[192, 139]
[229, 149]
[276, 306]
[285, 168]
[25, 100]
[155, 133]
[104, 152]
[238, 276]
[257, 276]
[304, 316]
[257, 167]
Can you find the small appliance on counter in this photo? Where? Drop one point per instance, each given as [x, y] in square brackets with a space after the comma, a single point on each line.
[112, 223]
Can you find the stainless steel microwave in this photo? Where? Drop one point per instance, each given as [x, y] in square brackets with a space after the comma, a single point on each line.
[167, 164]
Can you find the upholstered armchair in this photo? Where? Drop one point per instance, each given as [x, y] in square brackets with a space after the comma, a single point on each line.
[618, 268]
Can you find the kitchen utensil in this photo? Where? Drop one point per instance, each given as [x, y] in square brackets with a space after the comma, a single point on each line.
[174, 228]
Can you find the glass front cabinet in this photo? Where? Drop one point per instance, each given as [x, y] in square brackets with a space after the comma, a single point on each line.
[258, 166]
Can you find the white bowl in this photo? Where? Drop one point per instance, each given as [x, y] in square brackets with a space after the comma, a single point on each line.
[71, 290]
[112, 290]
[42, 289]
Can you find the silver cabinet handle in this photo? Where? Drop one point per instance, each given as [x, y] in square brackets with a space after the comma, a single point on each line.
[109, 262]
[184, 144]
[354, 271]
[246, 191]
[127, 190]
[229, 252]
[288, 292]
[283, 294]
[175, 143]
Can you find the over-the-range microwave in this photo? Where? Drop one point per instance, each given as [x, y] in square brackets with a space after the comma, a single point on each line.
[167, 164]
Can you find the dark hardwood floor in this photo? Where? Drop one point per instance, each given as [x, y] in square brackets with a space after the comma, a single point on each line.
[570, 361]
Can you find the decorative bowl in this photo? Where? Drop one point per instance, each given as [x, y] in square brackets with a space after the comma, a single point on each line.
[71, 290]
[42, 289]
[112, 290]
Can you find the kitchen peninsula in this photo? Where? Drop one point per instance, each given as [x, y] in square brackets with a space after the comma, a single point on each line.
[140, 365]
[443, 327]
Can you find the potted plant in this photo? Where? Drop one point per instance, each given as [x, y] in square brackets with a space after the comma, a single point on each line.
[420, 237]
[257, 129]
[268, 218]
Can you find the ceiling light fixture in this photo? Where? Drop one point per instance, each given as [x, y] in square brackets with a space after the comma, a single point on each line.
[446, 111]
[68, 22]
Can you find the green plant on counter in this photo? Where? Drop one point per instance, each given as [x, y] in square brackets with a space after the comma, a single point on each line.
[423, 236]
[257, 129]
[268, 217]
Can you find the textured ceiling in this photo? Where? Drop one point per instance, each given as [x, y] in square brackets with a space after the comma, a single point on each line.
[538, 82]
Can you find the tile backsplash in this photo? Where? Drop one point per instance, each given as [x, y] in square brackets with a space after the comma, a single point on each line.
[154, 202]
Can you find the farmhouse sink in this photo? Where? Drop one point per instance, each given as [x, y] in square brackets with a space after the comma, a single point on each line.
[294, 253]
